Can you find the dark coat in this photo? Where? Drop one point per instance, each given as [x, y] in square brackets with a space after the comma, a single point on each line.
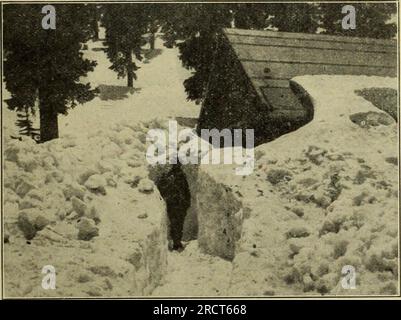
[173, 187]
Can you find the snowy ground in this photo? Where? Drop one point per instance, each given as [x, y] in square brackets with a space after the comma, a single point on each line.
[320, 198]
[157, 93]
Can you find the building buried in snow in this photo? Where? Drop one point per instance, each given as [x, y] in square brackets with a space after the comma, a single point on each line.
[251, 87]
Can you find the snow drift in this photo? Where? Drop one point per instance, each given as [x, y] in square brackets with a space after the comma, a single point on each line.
[93, 215]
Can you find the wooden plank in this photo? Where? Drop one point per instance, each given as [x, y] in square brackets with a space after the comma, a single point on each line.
[308, 55]
[283, 70]
[308, 36]
[271, 83]
[308, 43]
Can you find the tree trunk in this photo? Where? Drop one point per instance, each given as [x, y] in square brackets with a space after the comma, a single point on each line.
[48, 121]
[95, 24]
[130, 69]
[130, 78]
[152, 40]
[96, 32]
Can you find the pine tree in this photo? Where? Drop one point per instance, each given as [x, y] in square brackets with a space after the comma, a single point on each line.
[291, 17]
[197, 27]
[154, 15]
[195, 30]
[125, 26]
[372, 20]
[46, 65]
[251, 15]
[95, 13]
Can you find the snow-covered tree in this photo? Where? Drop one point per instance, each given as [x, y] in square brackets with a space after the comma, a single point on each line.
[46, 65]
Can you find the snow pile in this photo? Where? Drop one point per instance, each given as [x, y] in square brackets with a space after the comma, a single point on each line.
[332, 196]
[320, 198]
[89, 210]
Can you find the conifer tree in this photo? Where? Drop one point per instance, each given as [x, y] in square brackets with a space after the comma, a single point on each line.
[194, 29]
[125, 26]
[45, 65]
[294, 17]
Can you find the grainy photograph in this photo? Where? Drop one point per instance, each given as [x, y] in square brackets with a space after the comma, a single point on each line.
[167, 149]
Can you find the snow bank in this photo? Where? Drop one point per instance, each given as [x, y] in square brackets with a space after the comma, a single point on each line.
[320, 198]
[86, 208]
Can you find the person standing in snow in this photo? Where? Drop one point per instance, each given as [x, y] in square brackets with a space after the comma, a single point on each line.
[173, 187]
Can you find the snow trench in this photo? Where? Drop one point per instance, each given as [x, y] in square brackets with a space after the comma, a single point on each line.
[216, 212]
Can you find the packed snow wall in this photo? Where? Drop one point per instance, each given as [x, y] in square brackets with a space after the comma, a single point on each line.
[216, 213]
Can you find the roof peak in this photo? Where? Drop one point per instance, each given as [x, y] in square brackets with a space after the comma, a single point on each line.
[307, 36]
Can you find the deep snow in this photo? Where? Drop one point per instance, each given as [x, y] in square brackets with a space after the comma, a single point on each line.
[320, 198]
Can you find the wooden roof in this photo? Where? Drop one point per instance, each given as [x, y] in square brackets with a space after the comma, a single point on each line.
[271, 58]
